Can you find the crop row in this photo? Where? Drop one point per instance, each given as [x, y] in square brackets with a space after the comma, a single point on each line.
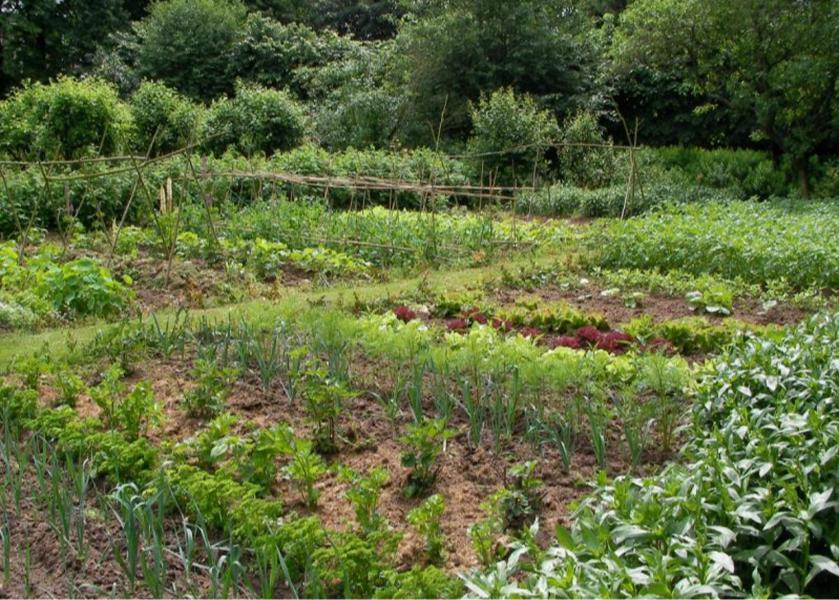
[758, 243]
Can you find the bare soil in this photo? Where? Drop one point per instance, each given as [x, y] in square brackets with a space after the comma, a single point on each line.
[659, 306]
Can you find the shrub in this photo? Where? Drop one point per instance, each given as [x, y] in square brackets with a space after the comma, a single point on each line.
[360, 119]
[67, 118]
[515, 127]
[749, 172]
[585, 166]
[157, 108]
[186, 44]
[256, 120]
[827, 184]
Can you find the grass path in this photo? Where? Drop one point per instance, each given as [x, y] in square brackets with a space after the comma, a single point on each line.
[58, 339]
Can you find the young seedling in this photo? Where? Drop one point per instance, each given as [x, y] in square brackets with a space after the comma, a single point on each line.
[364, 492]
[424, 443]
[426, 520]
[207, 398]
[517, 505]
[324, 401]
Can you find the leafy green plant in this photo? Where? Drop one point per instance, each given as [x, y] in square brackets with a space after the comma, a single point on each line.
[305, 468]
[483, 536]
[716, 300]
[106, 394]
[364, 492]
[83, 287]
[667, 380]
[420, 582]
[212, 388]
[134, 412]
[426, 518]
[748, 241]
[138, 410]
[69, 385]
[751, 512]
[31, 368]
[323, 399]
[519, 503]
[424, 443]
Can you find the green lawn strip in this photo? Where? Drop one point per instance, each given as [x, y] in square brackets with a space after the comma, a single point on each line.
[56, 340]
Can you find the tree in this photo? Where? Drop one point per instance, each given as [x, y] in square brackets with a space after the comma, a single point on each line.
[774, 62]
[274, 54]
[453, 50]
[510, 135]
[361, 19]
[186, 44]
[41, 38]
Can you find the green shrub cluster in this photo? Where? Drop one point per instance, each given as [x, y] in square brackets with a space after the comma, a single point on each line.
[163, 115]
[510, 135]
[745, 172]
[69, 118]
[256, 120]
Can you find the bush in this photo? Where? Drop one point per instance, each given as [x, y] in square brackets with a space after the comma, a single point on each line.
[747, 172]
[515, 127]
[157, 108]
[257, 120]
[186, 44]
[584, 166]
[360, 119]
[827, 183]
[68, 118]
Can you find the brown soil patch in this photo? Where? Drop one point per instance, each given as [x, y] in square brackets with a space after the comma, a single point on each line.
[659, 307]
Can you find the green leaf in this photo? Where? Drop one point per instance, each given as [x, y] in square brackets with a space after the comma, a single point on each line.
[821, 563]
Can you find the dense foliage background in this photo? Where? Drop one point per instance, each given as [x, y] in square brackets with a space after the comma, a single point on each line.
[482, 75]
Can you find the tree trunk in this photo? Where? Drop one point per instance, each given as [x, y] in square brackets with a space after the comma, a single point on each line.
[802, 169]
